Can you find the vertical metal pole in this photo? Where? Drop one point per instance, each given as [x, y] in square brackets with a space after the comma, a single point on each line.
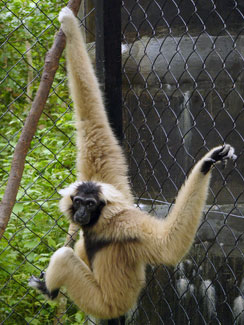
[108, 59]
[108, 64]
[117, 321]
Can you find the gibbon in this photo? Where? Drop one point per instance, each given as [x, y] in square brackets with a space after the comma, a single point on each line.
[105, 272]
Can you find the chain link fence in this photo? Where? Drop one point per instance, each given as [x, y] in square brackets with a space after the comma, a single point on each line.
[182, 94]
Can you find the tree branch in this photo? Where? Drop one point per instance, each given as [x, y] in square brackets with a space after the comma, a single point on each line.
[50, 67]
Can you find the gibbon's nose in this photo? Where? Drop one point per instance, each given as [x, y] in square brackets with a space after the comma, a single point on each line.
[81, 216]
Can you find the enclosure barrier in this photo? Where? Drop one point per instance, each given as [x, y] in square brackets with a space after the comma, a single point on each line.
[182, 91]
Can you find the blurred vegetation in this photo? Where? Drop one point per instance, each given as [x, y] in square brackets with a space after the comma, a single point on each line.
[36, 227]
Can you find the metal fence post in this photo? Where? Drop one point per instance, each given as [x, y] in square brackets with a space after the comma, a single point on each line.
[108, 59]
[108, 65]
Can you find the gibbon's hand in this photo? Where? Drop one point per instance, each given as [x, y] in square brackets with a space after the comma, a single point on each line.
[66, 18]
[40, 285]
[219, 154]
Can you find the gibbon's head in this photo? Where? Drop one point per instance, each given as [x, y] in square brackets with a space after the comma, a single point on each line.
[83, 201]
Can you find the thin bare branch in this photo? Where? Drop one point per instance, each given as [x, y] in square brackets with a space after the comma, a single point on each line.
[29, 129]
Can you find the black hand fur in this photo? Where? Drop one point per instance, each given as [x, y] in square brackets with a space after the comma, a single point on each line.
[220, 154]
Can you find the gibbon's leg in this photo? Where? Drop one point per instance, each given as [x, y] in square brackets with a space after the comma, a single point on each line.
[100, 157]
[169, 240]
[67, 269]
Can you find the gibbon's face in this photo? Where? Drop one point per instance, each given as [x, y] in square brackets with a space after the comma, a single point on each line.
[87, 206]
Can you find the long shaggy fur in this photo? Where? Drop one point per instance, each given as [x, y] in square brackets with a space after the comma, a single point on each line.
[106, 272]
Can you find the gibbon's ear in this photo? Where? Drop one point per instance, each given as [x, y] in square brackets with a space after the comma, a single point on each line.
[66, 201]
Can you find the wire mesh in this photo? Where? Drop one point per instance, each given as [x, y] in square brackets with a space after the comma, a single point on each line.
[182, 94]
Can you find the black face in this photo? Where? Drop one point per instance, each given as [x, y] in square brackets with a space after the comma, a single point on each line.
[87, 206]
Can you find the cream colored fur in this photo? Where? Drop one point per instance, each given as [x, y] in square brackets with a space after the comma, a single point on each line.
[110, 286]
[100, 158]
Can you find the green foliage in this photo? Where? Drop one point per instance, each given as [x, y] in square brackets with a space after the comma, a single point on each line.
[36, 227]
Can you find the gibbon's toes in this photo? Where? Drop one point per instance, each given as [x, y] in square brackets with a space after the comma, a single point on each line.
[40, 285]
[42, 275]
[219, 154]
[34, 282]
[64, 14]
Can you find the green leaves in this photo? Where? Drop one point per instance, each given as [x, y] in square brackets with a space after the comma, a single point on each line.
[36, 228]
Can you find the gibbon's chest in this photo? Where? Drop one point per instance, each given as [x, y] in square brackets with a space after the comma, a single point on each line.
[93, 247]
[109, 251]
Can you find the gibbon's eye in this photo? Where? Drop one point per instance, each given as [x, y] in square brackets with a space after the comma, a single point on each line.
[77, 201]
[90, 203]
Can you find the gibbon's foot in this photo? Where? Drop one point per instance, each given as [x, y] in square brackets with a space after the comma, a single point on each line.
[40, 285]
[219, 154]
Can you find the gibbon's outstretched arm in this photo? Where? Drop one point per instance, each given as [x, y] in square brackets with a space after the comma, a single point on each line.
[167, 241]
[99, 156]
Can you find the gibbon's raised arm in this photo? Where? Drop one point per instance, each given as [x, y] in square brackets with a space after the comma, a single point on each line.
[167, 241]
[99, 156]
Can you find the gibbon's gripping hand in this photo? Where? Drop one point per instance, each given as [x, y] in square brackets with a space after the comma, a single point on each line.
[219, 154]
[40, 285]
[67, 21]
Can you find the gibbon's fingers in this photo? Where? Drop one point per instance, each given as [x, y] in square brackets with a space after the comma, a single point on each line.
[218, 154]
